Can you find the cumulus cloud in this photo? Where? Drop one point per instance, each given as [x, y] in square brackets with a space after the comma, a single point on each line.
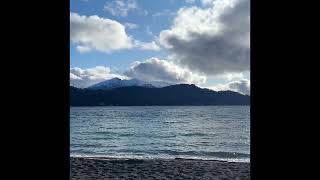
[214, 39]
[105, 35]
[241, 86]
[83, 78]
[98, 33]
[120, 7]
[152, 69]
[155, 69]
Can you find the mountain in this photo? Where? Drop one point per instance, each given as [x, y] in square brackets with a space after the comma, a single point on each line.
[116, 83]
[182, 94]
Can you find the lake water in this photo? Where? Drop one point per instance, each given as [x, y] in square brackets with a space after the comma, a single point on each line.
[195, 132]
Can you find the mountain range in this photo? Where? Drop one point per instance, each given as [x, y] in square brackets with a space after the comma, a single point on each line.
[117, 92]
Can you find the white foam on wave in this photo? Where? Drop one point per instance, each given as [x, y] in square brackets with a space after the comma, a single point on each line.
[142, 157]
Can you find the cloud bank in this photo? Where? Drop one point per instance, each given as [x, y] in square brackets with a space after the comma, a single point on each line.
[241, 86]
[155, 69]
[152, 69]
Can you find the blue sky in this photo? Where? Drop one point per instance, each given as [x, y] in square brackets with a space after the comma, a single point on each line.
[153, 24]
[144, 23]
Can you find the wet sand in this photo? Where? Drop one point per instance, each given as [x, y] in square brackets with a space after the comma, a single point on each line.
[100, 168]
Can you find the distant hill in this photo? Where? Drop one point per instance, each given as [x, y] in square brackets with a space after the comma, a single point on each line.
[117, 82]
[182, 94]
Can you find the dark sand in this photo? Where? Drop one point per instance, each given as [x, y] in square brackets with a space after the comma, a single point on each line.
[99, 168]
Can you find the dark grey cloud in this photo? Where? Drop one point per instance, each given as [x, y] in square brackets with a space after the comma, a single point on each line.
[213, 40]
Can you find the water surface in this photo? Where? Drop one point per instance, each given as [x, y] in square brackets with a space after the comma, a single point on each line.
[197, 132]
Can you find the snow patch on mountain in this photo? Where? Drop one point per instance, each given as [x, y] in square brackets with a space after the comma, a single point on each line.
[117, 82]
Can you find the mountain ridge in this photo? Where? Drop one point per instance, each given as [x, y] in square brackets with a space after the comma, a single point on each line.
[180, 94]
[117, 82]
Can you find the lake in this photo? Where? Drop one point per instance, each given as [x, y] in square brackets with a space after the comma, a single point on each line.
[193, 132]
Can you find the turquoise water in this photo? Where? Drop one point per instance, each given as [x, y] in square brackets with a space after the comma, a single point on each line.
[196, 132]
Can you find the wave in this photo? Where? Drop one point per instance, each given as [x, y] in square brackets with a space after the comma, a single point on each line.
[205, 154]
[106, 157]
[169, 154]
[194, 134]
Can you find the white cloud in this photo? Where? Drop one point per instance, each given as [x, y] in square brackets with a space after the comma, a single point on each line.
[214, 39]
[83, 49]
[120, 7]
[105, 35]
[230, 76]
[83, 78]
[131, 25]
[154, 69]
[241, 86]
[147, 46]
[98, 33]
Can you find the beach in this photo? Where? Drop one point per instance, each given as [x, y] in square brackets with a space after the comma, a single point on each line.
[112, 168]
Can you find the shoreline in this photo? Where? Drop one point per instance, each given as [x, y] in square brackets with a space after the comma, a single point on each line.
[156, 105]
[103, 157]
[178, 168]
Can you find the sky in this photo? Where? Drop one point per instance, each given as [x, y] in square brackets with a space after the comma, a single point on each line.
[201, 42]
